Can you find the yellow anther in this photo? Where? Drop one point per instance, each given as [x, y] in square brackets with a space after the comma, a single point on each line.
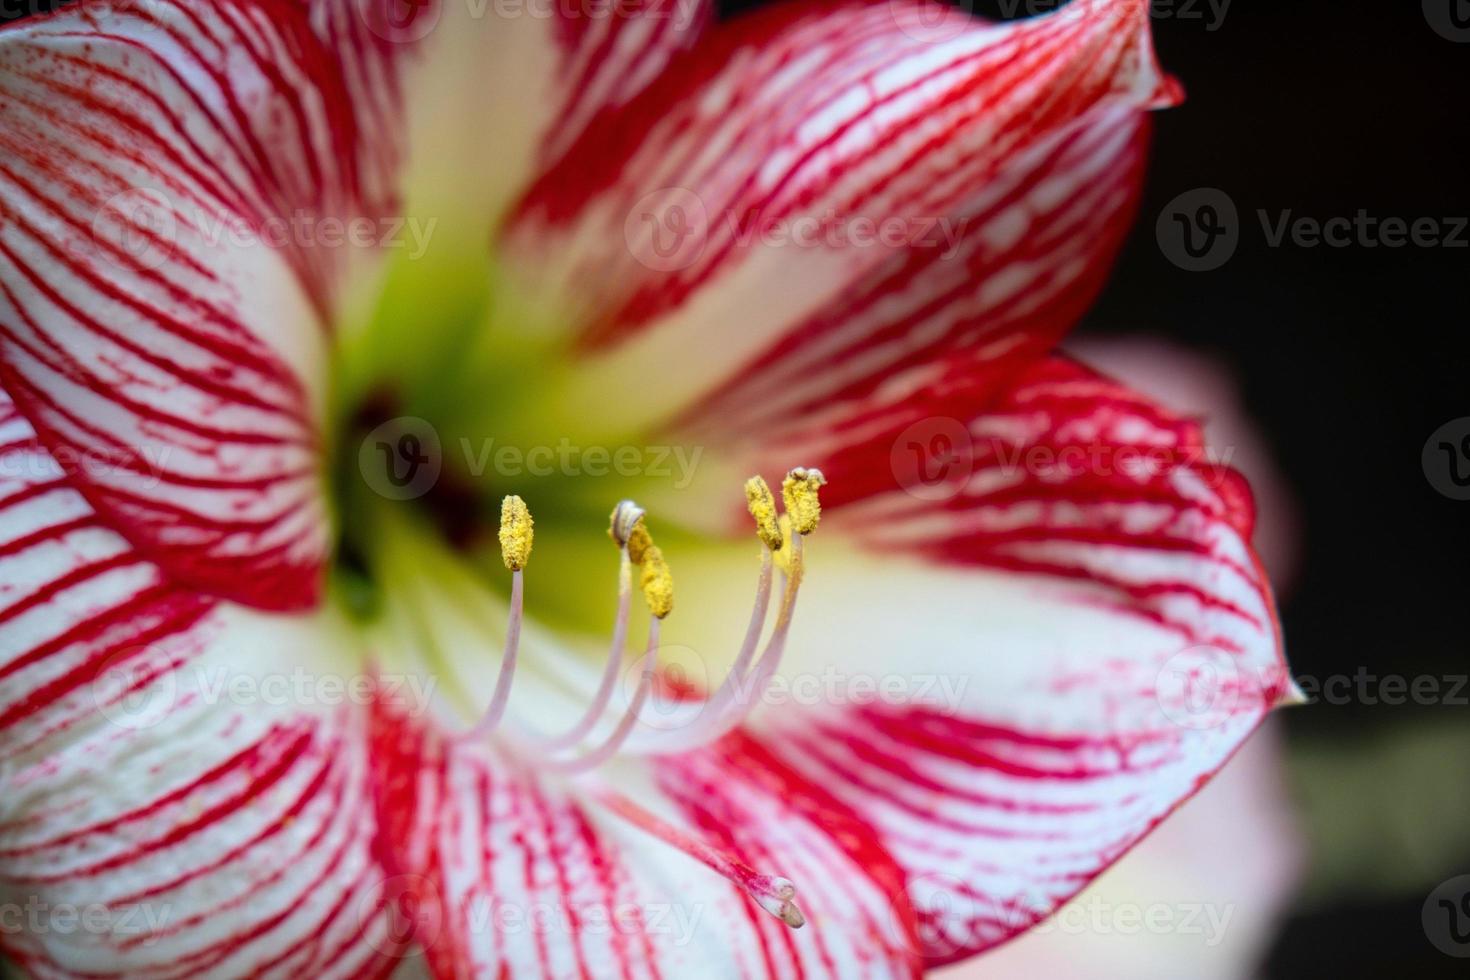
[625, 518]
[657, 581]
[628, 530]
[783, 554]
[763, 508]
[640, 542]
[516, 532]
[799, 493]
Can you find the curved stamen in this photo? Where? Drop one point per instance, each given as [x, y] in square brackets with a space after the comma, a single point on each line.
[516, 534]
[610, 673]
[742, 689]
[729, 689]
[620, 734]
[500, 700]
[624, 528]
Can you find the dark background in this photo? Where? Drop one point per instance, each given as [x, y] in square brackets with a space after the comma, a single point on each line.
[1348, 359]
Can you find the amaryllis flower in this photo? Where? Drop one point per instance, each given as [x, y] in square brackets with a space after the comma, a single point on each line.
[282, 694]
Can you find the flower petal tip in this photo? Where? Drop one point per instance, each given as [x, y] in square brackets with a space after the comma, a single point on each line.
[1293, 696]
[1169, 95]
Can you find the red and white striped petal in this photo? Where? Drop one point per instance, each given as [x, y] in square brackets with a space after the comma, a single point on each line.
[160, 319]
[158, 817]
[77, 603]
[458, 100]
[856, 186]
[524, 875]
[1022, 651]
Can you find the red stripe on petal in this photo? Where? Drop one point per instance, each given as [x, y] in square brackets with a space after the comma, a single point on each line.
[529, 877]
[805, 113]
[157, 330]
[1060, 580]
[216, 836]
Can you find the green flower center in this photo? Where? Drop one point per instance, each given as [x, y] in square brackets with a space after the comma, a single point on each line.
[446, 396]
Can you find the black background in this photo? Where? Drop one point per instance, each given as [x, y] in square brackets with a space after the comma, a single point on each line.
[1349, 358]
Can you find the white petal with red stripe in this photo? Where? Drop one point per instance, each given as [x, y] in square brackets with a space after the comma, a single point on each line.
[812, 186]
[457, 101]
[159, 323]
[173, 801]
[519, 873]
[1026, 648]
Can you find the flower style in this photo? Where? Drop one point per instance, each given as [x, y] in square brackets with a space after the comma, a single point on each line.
[834, 242]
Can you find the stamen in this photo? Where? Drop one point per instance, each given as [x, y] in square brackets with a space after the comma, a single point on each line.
[627, 529]
[624, 728]
[762, 507]
[773, 893]
[743, 687]
[627, 518]
[657, 582]
[748, 678]
[516, 532]
[515, 550]
[732, 685]
[610, 672]
[799, 493]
